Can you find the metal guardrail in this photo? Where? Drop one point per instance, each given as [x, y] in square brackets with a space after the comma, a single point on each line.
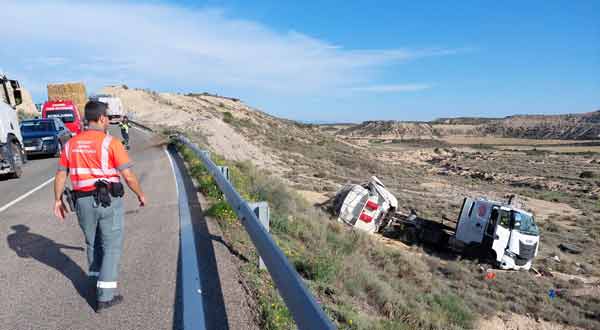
[135, 123]
[307, 313]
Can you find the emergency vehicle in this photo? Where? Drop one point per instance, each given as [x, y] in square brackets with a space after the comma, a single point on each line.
[66, 111]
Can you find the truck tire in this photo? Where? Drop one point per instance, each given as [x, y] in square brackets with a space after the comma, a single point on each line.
[16, 160]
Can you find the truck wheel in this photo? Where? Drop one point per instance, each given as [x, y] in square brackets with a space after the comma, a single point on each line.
[16, 160]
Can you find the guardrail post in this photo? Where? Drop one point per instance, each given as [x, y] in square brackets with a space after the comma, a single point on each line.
[225, 172]
[261, 209]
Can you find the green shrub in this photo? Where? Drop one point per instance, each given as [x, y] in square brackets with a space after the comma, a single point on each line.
[228, 117]
[222, 211]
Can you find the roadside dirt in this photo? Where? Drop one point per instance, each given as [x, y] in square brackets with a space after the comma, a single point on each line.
[519, 322]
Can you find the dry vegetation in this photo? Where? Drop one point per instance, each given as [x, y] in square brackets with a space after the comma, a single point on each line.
[366, 283]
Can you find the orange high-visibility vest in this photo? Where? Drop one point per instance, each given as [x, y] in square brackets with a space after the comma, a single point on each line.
[91, 156]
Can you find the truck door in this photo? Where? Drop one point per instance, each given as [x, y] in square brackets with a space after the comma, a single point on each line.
[502, 235]
[464, 220]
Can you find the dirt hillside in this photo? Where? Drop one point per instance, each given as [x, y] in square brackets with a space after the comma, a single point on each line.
[197, 113]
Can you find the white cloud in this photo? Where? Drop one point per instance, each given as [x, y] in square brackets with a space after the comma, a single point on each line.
[392, 88]
[164, 45]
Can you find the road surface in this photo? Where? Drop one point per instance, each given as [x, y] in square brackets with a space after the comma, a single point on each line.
[43, 281]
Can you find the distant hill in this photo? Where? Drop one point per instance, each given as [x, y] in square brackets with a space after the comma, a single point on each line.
[464, 120]
[580, 126]
[389, 129]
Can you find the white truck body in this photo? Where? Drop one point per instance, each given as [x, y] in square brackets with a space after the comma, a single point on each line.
[11, 140]
[115, 106]
[511, 233]
[366, 206]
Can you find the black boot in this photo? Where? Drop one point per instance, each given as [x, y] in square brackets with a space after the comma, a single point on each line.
[103, 305]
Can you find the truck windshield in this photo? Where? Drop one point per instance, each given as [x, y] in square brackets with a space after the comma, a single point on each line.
[37, 126]
[65, 115]
[524, 223]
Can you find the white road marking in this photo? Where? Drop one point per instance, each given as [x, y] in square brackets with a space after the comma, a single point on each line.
[193, 311]
[172, 168]
[25, 195]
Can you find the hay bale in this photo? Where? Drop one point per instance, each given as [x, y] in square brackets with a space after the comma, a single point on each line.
[69, 91]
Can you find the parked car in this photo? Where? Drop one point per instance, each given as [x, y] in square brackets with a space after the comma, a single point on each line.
[66, 111]
[44, 136]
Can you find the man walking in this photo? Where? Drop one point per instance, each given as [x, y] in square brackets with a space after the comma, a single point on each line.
[124, 125]
[95, 161]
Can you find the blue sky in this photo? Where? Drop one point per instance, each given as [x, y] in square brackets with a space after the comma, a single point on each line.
[321, 60]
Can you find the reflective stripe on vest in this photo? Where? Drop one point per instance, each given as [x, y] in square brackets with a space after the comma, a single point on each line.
[94, 171]
[67, 150]
[79, 184]
[85, 178]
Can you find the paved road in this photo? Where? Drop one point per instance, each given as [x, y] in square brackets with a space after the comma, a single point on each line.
[43, 282]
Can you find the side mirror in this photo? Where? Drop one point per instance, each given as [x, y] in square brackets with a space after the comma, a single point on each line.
[61, 128]
[18, 97]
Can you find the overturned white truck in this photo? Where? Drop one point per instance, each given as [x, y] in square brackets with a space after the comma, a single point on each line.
[368, 206]
[497, 231]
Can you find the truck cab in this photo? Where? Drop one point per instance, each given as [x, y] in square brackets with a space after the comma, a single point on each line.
[66, 111]
[12, 156]
[510, 235]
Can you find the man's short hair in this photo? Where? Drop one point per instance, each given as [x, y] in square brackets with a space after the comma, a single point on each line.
[94, 110]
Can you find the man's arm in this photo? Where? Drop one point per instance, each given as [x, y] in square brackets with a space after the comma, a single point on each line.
[59, 187]
[133, 184]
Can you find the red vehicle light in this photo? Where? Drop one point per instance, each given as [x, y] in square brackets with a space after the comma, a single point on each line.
[365, 217]
[372, 205]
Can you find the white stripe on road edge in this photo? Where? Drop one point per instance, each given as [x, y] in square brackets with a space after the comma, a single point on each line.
[25, 195]
[106, 285]
[193, 305]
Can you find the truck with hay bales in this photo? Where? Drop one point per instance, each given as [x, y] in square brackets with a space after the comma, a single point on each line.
[12, 155]
[73, 91]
